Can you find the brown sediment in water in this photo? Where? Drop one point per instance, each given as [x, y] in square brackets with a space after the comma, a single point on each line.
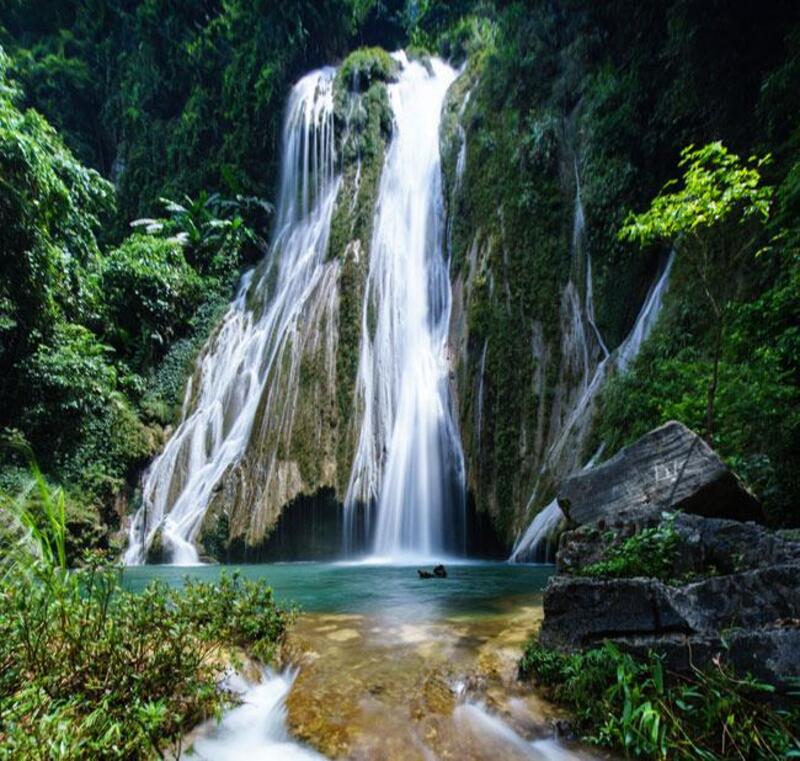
[379, 687]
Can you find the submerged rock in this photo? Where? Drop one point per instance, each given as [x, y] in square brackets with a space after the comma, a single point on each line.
[439, 572]
[670, 468]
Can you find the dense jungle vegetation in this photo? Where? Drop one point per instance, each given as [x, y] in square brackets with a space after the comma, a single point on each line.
[169, 113]
[138, 159]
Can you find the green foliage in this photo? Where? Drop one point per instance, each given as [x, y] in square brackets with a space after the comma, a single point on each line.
[67, 377]
[757, 425]
[716, 185]
[83, 331]
[236, 611]
[150, 291]
[635, 706]
[49, 213]
[719, 193]
[164, 392]
[213, 230]
[650, 552]
[90, 670]
[34, 532]
[365, 66]
[175, 97]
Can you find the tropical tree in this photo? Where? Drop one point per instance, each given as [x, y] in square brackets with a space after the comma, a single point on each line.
[714, 218]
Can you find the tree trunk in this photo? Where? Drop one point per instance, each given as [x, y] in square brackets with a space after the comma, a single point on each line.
[712, 386]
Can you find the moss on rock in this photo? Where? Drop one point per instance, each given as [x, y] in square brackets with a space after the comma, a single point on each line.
[365, 66]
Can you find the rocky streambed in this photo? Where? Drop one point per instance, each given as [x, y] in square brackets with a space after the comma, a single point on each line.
[374, 687]
[382, 664]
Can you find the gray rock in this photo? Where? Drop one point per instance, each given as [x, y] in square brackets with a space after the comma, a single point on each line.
[749, 599]
[706, 545]
[768, 653]
[581, 612]
[670, 468]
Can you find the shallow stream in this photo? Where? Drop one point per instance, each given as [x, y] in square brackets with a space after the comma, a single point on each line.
[385, 665]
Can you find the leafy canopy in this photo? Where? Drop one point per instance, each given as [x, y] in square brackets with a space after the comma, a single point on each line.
[717, 185]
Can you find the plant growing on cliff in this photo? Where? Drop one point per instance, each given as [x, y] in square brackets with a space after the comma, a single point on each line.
[649, 552]
[714, 219]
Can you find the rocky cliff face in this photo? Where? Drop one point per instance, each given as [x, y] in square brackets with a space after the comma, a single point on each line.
[526, 351]
[528, 358]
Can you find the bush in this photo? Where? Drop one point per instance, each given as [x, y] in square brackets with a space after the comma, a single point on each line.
[92, 671]
[89, 670]
[150, 292]
[635, 706]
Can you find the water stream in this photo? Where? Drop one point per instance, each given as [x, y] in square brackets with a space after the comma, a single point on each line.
[409, 461]
[386, 665]
[254, 341]
[532, 544]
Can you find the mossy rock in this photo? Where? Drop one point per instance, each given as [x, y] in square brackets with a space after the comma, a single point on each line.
[157, 552]
[365, 66]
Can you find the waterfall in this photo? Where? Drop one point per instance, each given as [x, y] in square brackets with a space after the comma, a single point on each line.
[255, 342]
[533, 543]
[481, 375]
[578, 245]
[409, 463]
[538, 543]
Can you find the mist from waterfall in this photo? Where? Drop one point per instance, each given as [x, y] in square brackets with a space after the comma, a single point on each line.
[226, 393]
[409, 465]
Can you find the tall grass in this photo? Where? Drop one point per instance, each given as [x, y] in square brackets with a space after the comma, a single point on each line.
[34, 527]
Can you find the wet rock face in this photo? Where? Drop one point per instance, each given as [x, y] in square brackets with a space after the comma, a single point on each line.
[670, 468]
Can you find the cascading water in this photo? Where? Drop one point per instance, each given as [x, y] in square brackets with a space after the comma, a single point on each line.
[409, 462]
[255, 341]
[255, 729]
[578, 245]
[533, 544]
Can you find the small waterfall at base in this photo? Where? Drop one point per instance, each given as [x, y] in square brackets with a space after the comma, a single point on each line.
[409, 463]
[254, 342]
[539, 542]
[256, 729]
[533, 543]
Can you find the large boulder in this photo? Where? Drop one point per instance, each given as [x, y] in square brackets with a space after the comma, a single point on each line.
[750, 617]
[581, 612]
[669, 468]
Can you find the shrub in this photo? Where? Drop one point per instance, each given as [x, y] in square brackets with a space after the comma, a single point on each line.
[650, 552]
[150, 291]
[634, 705]
[89, 670]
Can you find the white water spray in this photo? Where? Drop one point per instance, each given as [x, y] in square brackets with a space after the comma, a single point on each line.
[409, 462]
[255, 339]
[256, 729]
